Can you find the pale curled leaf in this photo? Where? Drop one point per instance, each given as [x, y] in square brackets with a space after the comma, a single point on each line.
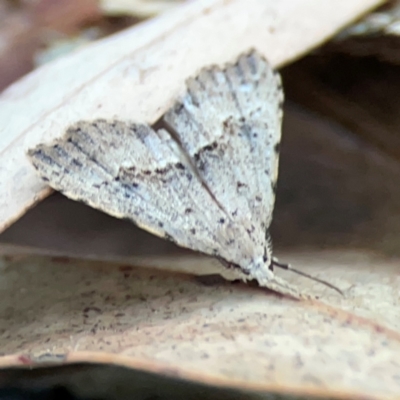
[225, 334]
[137, 74]
[138, 8]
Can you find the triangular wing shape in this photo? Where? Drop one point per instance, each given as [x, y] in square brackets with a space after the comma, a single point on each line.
[207, 182]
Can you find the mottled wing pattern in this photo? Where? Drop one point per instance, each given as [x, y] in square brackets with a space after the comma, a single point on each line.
[130, 171]
[229, 122]
[207, 182]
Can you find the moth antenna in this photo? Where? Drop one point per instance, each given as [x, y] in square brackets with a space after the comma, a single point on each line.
[288, 267]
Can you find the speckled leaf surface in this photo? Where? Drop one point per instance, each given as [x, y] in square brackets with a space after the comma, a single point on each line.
[220, 333]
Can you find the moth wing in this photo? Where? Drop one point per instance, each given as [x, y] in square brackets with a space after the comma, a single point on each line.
[213, 192]
[131, 171]
[229, 123]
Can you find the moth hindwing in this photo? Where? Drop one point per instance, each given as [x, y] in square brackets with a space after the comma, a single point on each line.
[206, 180]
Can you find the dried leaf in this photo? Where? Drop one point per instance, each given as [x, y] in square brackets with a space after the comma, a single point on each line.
[136, 74]
[223, 334]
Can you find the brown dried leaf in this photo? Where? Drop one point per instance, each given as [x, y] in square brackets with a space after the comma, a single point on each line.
[23, 29]
[222, 334]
